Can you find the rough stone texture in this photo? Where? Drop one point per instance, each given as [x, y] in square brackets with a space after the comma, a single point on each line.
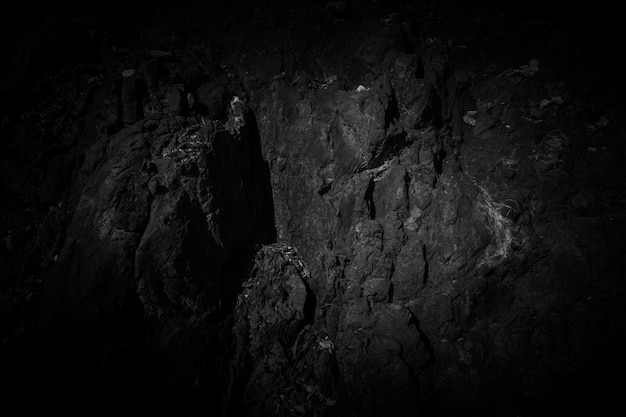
[403, 211]
[271, 313]
[373, 209]
[168, 208]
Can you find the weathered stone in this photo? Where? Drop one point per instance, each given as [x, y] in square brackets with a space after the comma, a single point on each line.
[173, 251]
[214, 97]
[410, 273]
[433, 312]
[420, 189]
[131, 96]
[405, 66]
[175, 99]
[458, 232]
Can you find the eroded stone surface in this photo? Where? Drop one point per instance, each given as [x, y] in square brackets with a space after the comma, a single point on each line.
[408, 211]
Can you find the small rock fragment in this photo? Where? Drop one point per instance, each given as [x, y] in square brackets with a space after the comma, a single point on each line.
[544, 103]
[153, 185]
[470, 117]
[190, 101]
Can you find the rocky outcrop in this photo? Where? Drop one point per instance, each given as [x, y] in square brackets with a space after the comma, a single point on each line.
[413, 204]
[272, 313]
[170, 209]
[378, 210]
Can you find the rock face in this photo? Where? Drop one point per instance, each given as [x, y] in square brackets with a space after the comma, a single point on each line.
[434, 275]
[382, 217]
[169, 208]
[272, 311]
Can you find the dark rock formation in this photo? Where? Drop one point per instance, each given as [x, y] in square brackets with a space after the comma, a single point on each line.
[354, 209]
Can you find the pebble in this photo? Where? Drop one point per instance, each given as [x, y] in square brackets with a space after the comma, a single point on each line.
[470, 117]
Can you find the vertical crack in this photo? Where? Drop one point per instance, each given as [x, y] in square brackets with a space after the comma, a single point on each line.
[369, 199]
[430, 350]
[425, 264]
[392, 112]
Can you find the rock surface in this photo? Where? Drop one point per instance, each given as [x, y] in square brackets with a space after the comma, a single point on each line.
[353, 209]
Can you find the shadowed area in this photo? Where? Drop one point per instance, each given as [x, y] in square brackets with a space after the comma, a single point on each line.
[312, 208]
